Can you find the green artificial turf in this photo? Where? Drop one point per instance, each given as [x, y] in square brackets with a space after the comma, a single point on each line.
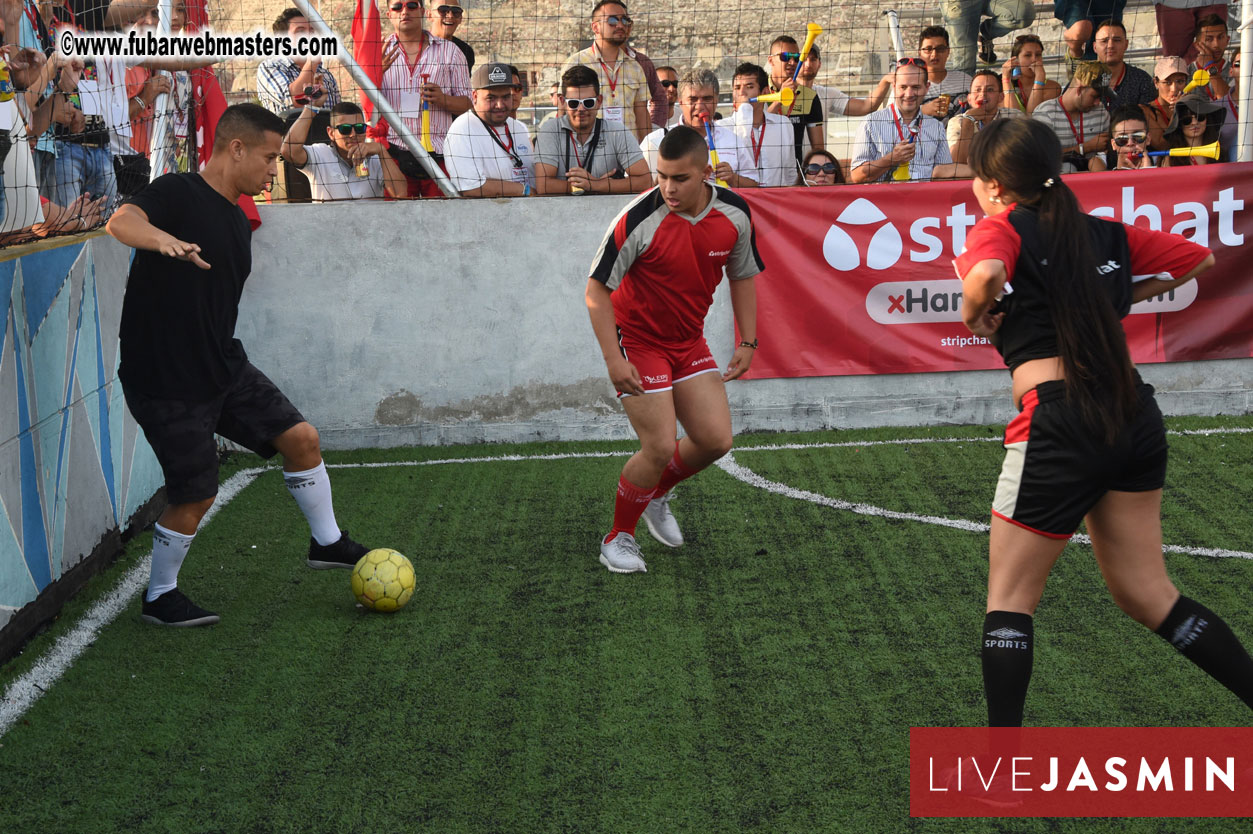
[762, 678]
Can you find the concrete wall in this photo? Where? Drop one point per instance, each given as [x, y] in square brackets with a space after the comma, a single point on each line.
[74, 467]
[462, 322]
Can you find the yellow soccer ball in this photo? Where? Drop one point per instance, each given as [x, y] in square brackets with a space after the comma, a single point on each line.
[383, 580]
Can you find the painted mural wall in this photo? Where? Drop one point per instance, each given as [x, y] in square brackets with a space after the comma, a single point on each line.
[73, 463]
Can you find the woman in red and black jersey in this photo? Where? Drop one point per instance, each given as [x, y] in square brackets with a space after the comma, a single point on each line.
[1048, 285]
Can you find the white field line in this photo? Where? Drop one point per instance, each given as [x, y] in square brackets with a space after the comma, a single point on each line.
[24, 691]
[729, 465]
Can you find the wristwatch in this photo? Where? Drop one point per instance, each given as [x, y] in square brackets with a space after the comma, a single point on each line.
[752, 344]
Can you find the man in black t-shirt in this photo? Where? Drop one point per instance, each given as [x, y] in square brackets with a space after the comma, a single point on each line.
[805, 111]
[184, 374]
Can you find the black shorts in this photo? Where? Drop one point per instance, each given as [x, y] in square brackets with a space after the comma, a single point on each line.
[251, 412]
[1055, 471]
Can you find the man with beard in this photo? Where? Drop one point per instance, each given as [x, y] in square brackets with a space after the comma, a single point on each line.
[622, 80]
[488, 154]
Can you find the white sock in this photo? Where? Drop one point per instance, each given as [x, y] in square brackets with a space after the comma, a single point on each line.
[168, 551]
[312, 491]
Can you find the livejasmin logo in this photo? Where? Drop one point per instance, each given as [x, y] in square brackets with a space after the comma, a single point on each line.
[1025, 774]
[863, 227]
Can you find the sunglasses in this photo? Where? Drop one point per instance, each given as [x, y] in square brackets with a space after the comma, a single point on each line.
[825, 168]
[411, 5]
[676, 83]
[350, 129]
[1187, 117]
[1124, 139]
[619, 20]
[787, 56]
[911, 62]
[585, 103]
[455, 11]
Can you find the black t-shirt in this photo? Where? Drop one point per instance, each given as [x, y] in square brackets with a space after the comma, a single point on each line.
[178, 320]
[466, 50]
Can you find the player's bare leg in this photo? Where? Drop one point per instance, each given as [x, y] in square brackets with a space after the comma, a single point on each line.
[700, 404]
[652, 417]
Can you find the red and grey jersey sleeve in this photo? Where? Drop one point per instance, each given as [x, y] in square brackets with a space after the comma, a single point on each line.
[992, 239]
[1161, 254]
[744, 261]
[627, 238]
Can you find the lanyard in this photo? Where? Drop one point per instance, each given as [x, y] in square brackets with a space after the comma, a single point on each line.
[417, 59]
[1078, 136]
[899, 130]
[611, 79]
[1114, 84]
[757, 145]
[1165, 116]
[1235, 110]
[37, 23]
[572, 142]
[491, 131]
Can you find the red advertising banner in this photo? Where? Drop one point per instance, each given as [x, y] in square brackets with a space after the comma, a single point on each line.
[860, 280]
[1081, 772]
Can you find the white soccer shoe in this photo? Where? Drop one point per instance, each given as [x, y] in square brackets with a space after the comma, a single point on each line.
[661, 521]
[622, 555]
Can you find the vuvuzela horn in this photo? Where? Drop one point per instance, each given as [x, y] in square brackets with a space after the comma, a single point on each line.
[784, 97]
[1200, 78]
[1211, 150]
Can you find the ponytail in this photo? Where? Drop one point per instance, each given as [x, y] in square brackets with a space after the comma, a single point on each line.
[1100, 381]
[1024, 156]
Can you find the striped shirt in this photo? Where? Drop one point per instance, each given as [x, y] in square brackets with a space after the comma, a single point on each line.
[879, 132]
[441, 63]
[1072, 128]
[663, 267]
[274, 80]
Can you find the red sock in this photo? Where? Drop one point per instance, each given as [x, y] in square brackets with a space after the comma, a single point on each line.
[628, 506]
[674, 472]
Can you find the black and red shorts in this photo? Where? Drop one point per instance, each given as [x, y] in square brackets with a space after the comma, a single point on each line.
[1055, 471]
[661, 368]
[250, 412]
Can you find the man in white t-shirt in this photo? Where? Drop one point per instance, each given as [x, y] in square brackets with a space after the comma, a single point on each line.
[351, 168]
[487, 153]
[770, 136]
[698, 101]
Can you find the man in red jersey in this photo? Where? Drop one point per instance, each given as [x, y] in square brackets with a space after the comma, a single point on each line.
[651, 285]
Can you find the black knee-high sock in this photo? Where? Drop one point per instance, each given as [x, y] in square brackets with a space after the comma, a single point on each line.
[1201, 636]
[1008, 640]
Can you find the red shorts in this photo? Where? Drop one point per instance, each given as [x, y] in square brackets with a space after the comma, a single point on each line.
[661, 368]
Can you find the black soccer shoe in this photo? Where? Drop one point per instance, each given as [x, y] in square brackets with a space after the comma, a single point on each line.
[344, 553]
[173, 608]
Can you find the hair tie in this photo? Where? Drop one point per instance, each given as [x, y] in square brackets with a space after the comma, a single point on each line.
[1048, 183]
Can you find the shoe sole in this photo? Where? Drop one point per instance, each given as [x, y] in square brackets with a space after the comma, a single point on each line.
[652, 531]
[612, 569]
[199, 621]
[318, 565]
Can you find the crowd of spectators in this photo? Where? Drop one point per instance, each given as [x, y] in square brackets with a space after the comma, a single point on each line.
[87, 126]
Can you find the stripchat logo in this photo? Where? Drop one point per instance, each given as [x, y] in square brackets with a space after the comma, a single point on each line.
[883, 250]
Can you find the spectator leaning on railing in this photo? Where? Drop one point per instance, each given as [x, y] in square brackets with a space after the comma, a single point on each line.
[901, 139]
[487, 153]
[1129, 143]
[284, 83]
[351, 168]
[579, 153]
[820, 168]
[698, 100]
[628, 93]
[420, 67]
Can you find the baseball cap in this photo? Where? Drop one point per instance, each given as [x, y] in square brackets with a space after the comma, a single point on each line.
[1168, 66]
[491, 75]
